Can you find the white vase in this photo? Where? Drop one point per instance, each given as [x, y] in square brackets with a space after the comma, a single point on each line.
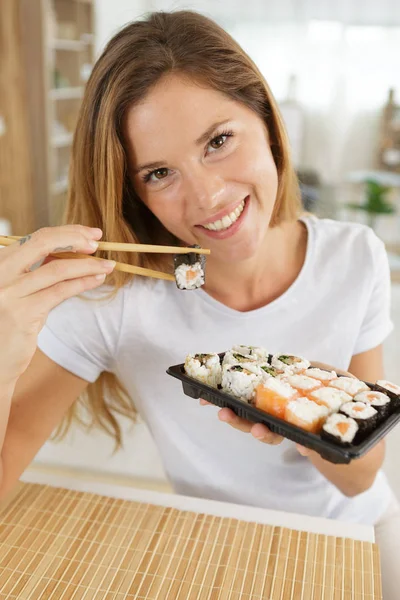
[5, 227]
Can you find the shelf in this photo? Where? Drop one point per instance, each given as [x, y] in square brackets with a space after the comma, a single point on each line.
[62, 141]
[66, 93]
[74, 45]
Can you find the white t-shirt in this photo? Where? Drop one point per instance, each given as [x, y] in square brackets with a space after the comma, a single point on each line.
[337, 307]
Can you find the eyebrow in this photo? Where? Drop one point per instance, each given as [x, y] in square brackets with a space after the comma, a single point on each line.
[201, 140]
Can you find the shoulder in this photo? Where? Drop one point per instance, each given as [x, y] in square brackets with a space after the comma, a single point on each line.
[99, 308]
[345, 242]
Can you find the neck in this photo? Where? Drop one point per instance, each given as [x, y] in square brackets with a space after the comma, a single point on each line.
[255, 282]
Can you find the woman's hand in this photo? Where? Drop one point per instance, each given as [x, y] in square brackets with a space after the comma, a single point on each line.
[257, 430]
[31, 284]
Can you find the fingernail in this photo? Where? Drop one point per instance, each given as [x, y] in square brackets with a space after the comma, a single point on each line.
[108, 265]
[37, 264]
[93, 244]
[96, 232]
[100, 276]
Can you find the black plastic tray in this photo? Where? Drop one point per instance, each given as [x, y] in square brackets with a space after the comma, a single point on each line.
[328, 450]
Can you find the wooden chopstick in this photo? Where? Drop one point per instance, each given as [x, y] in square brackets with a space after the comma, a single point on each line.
[8, 240]
[122, 247]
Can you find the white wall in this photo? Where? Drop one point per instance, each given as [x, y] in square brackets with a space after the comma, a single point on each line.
[111, 15]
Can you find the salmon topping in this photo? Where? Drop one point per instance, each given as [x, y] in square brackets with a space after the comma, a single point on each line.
[343, 427]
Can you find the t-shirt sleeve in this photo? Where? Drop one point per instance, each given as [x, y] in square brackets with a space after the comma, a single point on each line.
[82, 333]
[376, 324]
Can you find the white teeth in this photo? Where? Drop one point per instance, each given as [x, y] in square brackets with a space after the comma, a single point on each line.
[227, 220]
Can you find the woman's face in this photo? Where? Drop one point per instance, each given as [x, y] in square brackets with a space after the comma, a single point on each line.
[202, 164]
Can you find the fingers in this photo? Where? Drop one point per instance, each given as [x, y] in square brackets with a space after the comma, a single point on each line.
[258, 430]
[226, 415]
[19, 257]
[303, 451]
[57, 271]
[263, 434]
[47, 299]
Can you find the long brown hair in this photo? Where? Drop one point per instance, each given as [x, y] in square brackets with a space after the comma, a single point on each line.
[101, 192]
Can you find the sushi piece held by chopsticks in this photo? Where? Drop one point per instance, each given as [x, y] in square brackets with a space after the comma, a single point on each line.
[190, 276]
[189, 270]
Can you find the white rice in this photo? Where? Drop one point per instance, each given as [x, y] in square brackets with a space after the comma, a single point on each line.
[330, 426]
[307, 410]
[350, 385]
[256, 352]
[182, 280]
[205, 368]
[302, 382]
[268, 371]
[350, 409]
[289, 363]
[372, 398]
[236, 358]
[320, 374]
[330, 397]
[241, 380]
[391, 387]
[282, 388]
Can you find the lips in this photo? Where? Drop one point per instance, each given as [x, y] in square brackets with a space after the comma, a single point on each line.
[224, 218]
[225, 224]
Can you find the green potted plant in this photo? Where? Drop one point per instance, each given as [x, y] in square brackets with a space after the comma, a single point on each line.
[375, 202]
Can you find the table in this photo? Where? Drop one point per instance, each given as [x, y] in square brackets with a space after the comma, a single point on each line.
[95, 541]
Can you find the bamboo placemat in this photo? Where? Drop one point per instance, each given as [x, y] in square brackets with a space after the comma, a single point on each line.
[69, 545]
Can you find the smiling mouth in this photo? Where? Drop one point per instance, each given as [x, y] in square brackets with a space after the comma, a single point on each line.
[226, 221]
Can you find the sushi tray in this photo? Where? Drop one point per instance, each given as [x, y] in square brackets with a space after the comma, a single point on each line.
[340, 417]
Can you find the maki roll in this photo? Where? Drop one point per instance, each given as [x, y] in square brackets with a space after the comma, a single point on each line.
[240, 380]
[340, 429]
[306, 414]
[302, 383]
[380, 401]
[189, 270]
[387, 385]
[289, 363]
[272, 396]
[392, 390]
[330, 397]
[364, 415]
[254, 352]
[350, 385]
[236, 358]
[205, 368]
[323, 376]
[269, 371]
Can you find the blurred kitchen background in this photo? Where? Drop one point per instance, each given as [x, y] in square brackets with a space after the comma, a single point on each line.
[334, 68]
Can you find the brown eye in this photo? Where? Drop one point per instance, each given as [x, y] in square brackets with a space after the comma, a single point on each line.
[160, 173]
[156, 175]
[218, 141]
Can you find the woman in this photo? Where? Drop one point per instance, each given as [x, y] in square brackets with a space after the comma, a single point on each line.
[180, 141]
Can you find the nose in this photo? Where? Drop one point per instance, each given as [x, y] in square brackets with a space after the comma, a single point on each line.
[204, 188]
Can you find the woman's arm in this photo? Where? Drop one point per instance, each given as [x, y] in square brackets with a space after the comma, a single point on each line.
[360, 474]
[41, 397]
[34, 392]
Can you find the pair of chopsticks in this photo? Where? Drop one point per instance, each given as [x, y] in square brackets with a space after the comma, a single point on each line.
[123, 247]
